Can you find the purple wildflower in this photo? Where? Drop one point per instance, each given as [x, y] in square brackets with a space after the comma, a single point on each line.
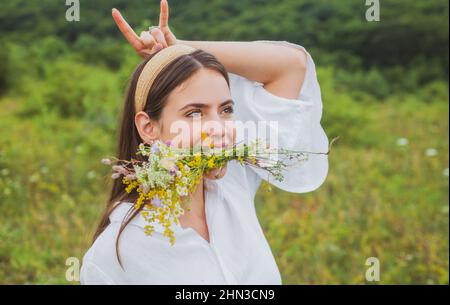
[156, 201]
[174, 170]
[120, 169]
[154, 148]
[106, 161]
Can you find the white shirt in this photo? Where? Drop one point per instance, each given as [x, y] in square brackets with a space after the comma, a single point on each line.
[238, 252]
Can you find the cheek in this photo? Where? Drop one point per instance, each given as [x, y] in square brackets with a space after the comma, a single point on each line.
[179, 131]
[231, 133]
[187, 133]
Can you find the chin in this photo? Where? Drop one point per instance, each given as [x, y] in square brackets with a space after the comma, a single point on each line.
[216, 174]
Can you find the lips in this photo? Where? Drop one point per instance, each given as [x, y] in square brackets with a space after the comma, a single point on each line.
[219, 143]
[224, 143]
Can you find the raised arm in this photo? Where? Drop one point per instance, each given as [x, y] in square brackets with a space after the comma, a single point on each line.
[281, 69]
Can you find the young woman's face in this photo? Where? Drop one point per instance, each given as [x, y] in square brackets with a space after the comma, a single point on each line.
[200, 106]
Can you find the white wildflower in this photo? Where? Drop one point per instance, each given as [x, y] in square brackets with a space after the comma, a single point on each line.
[431, 152]
[402, 141]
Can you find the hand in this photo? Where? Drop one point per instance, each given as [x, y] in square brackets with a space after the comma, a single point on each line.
[148, 42]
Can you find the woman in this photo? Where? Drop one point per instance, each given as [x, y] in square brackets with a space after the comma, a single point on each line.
[219, 240]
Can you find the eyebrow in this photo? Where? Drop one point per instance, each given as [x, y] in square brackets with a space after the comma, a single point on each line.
[202, 105]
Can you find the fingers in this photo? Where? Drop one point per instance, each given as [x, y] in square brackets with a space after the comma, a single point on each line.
[147, 40]
[164, 23]
[150, 44]
[164, 15]
[156, 48]
[127, 31]
[159, 37]
[144, 53]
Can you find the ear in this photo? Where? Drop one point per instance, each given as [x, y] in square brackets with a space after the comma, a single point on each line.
[147, 128]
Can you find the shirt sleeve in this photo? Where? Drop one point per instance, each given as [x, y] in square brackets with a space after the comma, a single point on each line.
[91, 274]
[297, 125]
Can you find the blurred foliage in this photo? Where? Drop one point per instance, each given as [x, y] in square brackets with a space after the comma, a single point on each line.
[62, 85]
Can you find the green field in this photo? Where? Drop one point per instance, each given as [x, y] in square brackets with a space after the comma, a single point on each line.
[380, 199]
[387, 191]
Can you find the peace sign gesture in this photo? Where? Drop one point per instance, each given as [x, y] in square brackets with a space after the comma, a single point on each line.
[150, 41]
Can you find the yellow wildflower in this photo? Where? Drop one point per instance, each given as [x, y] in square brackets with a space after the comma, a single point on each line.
[211, 162]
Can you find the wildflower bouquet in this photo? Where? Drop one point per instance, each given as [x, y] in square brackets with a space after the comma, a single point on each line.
[170, 174]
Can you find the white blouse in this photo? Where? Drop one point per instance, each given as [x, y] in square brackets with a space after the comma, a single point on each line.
[238, 252]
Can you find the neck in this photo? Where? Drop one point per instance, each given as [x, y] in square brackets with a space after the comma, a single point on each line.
[197, 203]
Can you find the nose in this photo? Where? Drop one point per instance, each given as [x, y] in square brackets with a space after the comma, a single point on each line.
[215, 133]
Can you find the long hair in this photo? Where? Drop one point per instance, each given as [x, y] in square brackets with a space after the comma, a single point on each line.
[173, 75]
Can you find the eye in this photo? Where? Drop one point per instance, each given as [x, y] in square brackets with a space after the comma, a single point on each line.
[194, 113]
[229, 109]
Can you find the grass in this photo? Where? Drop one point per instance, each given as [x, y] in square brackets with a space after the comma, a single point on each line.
[380, 199]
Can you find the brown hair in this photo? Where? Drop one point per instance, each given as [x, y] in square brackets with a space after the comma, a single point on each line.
[173, 75]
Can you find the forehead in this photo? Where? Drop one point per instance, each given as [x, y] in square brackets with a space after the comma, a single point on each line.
[204, 86]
